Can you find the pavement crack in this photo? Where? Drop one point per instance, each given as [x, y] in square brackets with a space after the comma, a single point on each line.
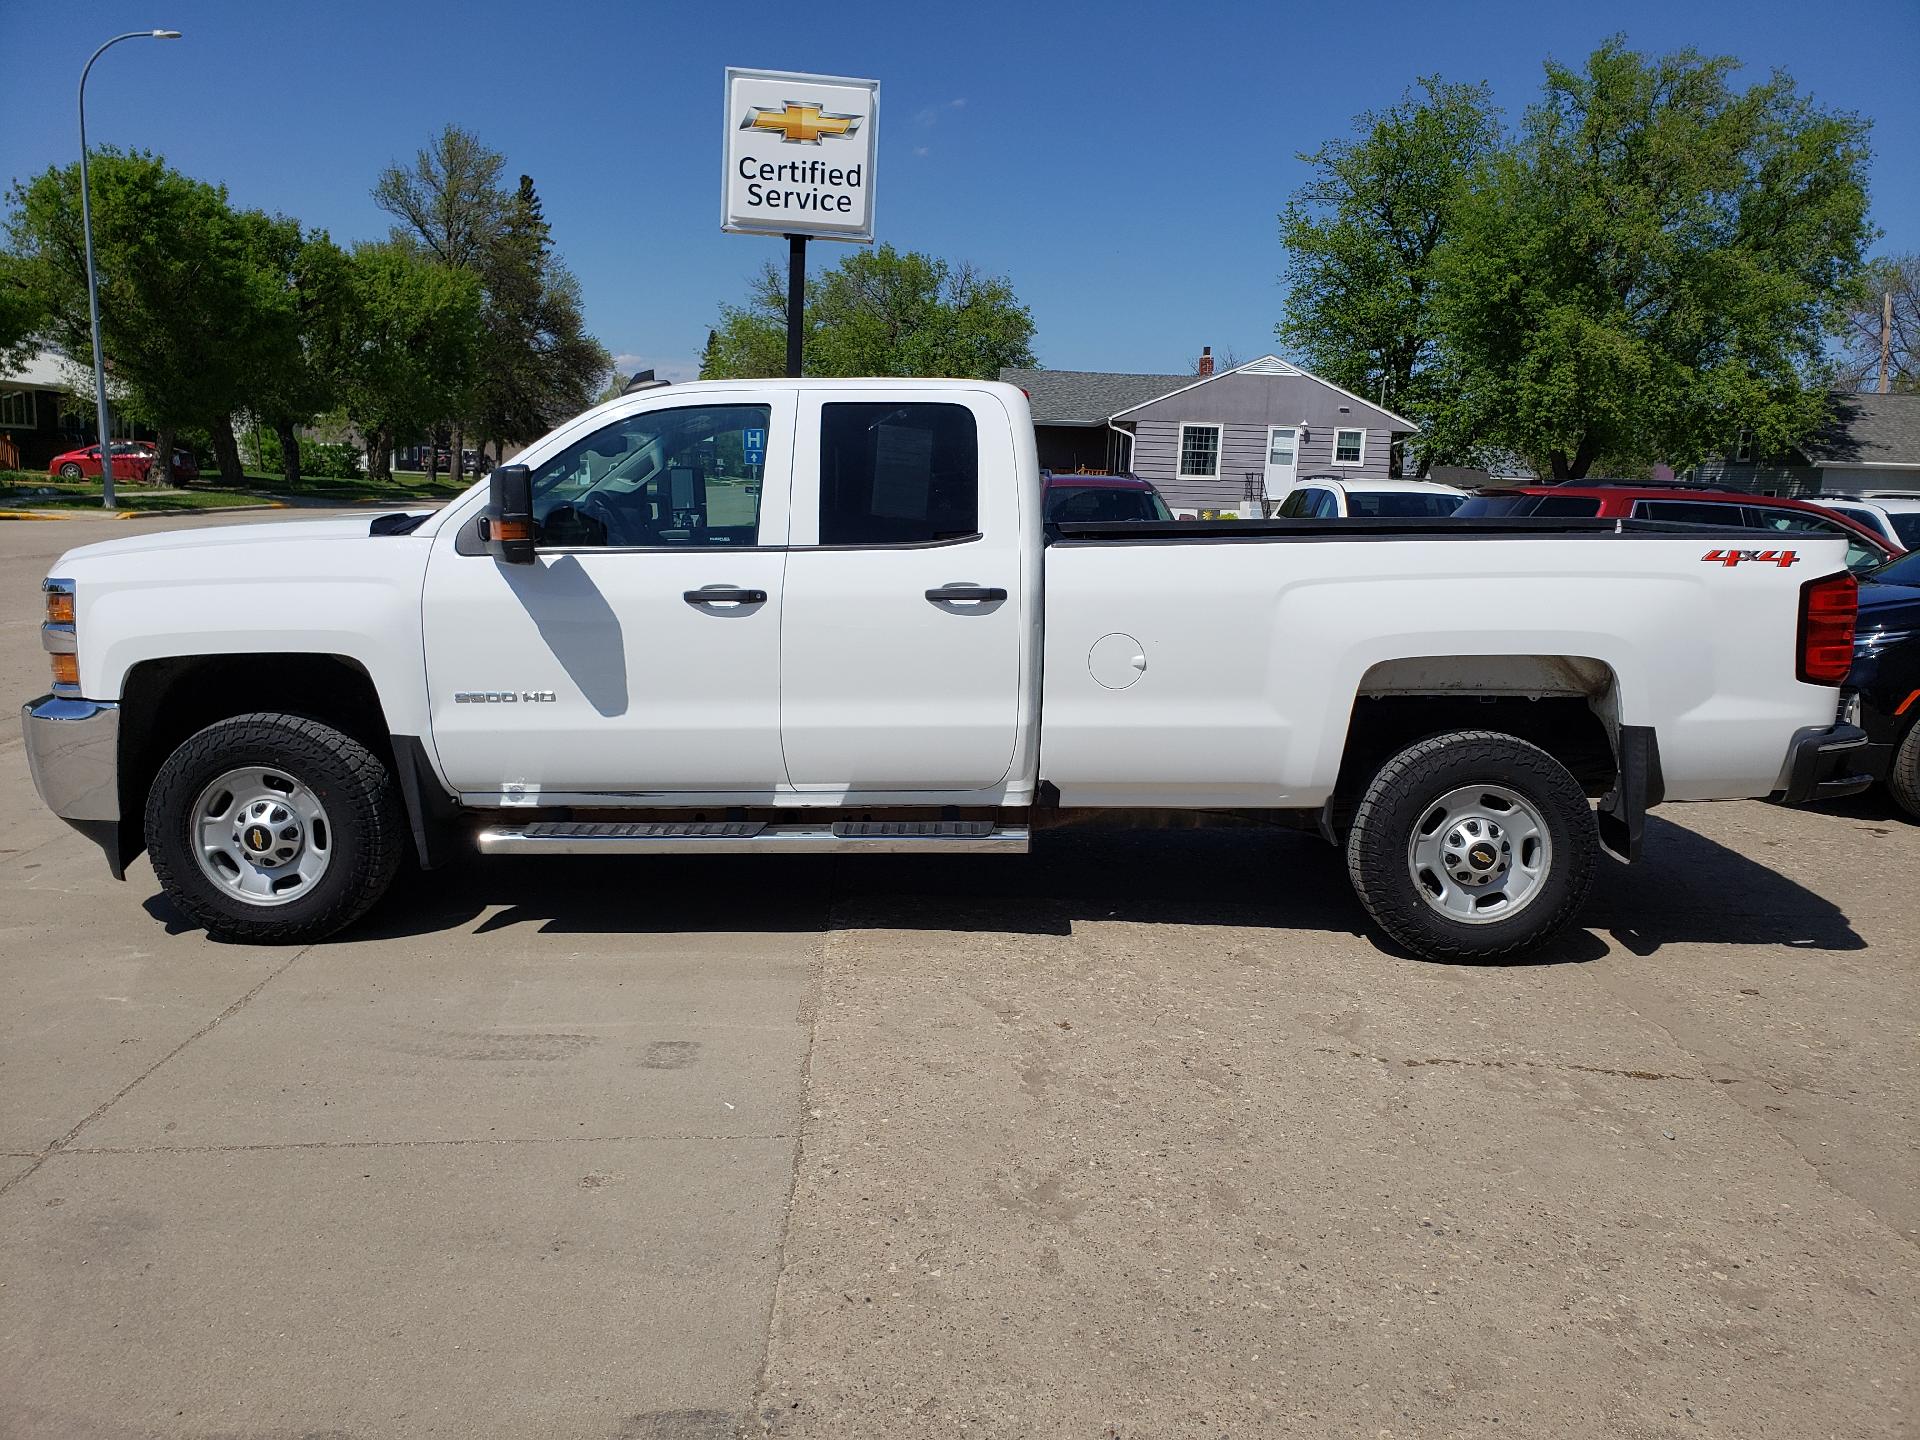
[1518, 1063]
[273, 1145]
[811, 1005]
[114, 1099]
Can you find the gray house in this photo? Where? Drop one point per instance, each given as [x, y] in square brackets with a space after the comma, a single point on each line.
[1213, 444]
[1870, 443]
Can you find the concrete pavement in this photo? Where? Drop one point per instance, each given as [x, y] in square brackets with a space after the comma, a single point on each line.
[1142, 1135]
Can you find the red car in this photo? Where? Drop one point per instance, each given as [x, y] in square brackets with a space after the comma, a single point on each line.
[1101, 497]
[1683, 505]
[132, 460]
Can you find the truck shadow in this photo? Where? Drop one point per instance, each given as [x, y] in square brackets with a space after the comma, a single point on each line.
[1687, 889]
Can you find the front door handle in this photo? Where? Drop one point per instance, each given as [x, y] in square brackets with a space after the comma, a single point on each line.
[724, 595]
[970, 593]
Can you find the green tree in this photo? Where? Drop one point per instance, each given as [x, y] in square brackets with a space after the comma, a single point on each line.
[879, 312]
[538, 364]
[23, 311]
[1654, 266]
[189, 306]
[1361, 238]
[297, 379]
[449, 199]
[406, 355]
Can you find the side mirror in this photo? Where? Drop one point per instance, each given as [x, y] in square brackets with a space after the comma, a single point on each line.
[507, 525]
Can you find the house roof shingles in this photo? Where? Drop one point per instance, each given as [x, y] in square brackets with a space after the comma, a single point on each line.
[1868, 429]
[1088, 397]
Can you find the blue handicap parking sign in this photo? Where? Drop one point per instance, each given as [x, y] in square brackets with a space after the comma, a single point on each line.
[756, 447]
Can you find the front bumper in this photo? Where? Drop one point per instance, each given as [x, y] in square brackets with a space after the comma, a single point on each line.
[1826, 763]
[73, 750]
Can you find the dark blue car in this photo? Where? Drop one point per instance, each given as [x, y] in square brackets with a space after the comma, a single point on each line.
[1886, 674]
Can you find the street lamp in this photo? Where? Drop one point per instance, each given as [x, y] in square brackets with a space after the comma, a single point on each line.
[93, 287]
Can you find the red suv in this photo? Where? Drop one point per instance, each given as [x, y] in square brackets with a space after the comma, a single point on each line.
[1681, 505]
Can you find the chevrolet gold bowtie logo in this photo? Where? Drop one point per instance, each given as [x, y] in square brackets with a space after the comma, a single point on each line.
[800, 124]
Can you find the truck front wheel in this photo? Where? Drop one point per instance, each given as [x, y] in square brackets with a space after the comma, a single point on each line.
[1472, 845]
[273, 829]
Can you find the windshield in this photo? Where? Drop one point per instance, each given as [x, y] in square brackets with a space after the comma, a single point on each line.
[1904, 570]
[1400, 505]
[1907, 526]
[1089, 502]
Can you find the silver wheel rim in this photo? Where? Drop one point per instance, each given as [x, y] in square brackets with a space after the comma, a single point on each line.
[261, 836]
[1479, 854]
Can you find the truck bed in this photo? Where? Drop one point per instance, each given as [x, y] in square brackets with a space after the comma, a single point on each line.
[1211, 661]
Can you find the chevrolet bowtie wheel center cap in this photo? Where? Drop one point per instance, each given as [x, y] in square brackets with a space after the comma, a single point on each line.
[269, 832]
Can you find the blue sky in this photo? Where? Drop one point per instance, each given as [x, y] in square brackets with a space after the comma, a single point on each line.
[1122, 164]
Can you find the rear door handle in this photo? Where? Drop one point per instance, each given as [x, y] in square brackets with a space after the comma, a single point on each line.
[724, 595]
[973, 593]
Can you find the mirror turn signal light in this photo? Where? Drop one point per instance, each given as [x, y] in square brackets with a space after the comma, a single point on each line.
[59, 607]
[500, 529]
[66, 669]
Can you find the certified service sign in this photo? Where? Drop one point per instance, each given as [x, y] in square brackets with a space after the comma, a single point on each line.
[800, 152]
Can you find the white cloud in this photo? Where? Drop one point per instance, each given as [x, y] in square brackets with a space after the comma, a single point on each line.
[920, 150]
[930, 114]
[666, 368]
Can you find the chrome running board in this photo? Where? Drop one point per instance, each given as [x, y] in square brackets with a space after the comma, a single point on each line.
[754, 837]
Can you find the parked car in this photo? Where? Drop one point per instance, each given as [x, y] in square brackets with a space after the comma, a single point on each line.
[1886, 675]
[600, 653]
[1682, 504]
[1101, 497]
[1893, 517]
[1331, 497]
[132, 461]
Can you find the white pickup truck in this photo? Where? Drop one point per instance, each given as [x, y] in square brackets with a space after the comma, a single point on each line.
[795, 616]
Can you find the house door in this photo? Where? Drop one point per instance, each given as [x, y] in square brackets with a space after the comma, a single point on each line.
[1281, 452]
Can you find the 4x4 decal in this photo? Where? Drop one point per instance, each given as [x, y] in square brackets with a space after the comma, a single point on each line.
[1730, 558]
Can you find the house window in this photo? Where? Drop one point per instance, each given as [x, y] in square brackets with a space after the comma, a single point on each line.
[1199, 452]
[1743, 446]
[1349, 447]
[16, 409]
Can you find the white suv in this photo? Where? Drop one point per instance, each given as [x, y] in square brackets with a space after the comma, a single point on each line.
[1321, 497]
[1895, 516]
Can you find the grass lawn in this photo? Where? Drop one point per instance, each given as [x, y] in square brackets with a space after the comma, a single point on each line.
[409, 488]
[28, 490]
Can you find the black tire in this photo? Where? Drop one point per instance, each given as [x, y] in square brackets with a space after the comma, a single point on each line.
[71, 471]
[363, 818]
[1403, 793]
[1903, 777]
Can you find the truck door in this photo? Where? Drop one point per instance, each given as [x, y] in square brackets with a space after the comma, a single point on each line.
[901, 646]
[640, 652]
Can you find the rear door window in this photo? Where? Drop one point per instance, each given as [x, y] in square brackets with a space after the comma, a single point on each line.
[894, 474]
[1693, 512]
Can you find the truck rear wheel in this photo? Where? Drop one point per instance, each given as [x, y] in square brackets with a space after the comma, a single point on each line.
[273, 829]
[1472, 845]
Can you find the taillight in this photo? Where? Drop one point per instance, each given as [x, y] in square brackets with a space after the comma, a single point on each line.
[1827, 611]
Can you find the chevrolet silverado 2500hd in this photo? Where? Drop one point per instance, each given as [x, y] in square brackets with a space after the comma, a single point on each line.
[781, 616]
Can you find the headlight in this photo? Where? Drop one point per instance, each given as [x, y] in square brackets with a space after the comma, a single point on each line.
[60, 638]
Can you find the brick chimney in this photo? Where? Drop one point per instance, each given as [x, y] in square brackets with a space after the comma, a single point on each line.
[1205, 367]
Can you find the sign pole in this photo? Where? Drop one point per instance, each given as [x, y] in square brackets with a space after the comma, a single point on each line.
[796, 300]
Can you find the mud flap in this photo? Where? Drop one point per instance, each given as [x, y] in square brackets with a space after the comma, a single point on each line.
[1637, 788]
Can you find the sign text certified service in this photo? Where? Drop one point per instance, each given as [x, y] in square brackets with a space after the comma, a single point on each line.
[800, 152]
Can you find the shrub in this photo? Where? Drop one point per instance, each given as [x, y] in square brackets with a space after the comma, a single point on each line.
[319, 459]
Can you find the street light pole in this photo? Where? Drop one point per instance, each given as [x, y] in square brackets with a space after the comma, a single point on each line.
[93, 286]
